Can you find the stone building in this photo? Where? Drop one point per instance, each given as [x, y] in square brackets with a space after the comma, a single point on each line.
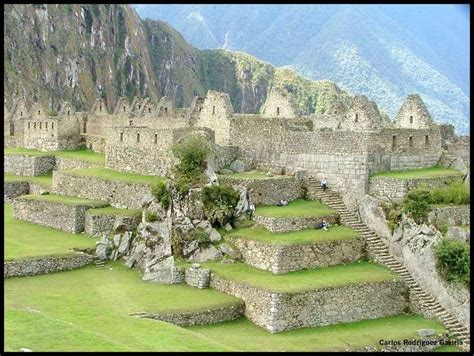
[346, 143]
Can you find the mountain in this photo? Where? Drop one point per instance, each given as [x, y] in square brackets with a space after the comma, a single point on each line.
[78, 53]
[383, 51]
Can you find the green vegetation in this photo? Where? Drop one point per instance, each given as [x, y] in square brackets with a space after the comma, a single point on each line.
[430, 172]
[63, 199]
[109, 174]
[454, 193]
[151, 217]
[24, 240]
[356, 272]
[45, 181]
[447, 348]
[421, 200]
[110, 210]
[85, 154]
[219, 203]
[453, 260]
[254, 175]
[161, 193]
[245, 336]
[88, 310]
[306, 236]
[295, 208]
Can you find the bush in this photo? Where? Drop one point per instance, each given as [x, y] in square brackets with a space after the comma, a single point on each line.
[192, 153]
[151, 217]
[454, 193]
[201, 236]
[219, 203]
[417, 209]
[161, 193]
[453, 260]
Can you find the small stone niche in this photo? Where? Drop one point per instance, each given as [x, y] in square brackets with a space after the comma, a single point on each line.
[197, 277]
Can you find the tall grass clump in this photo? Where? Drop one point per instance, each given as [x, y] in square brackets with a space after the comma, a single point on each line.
[454, 193]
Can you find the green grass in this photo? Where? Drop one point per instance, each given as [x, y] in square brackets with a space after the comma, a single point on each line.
[109, 174]
[311, 279]
[109, 210]
[63, 199]
[447, 348]
[245, 336]
[303, 208]
[429, 172]
[45, 181]
[88, 310]
[306, 236]
[255, 175]
[85, 154]
[24, 240]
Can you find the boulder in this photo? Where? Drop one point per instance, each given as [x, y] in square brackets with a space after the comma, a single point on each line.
[269, 174]
[228, 227]
[147, 199]
[124, 246]
[230, 251]
[163, 271]
[214, 235]
[373, 215]
[426, 332]
[190, 247]
[457, 232]
[136, 255]
[103, 248]
[239, 166]
[459, 164]
[205, 254]
[243, 203]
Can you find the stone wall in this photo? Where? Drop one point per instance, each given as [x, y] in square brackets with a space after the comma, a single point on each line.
[267, 191]
[197, 277]
[103, 224]
[393, 189]
[117, 193]
[12, 190]
[198, 317]
[216, 114]
[292, 223]
[45, 265]
[95, 142]
[57, 215]
[451, 215]
[278, 312]
[65, 164]
[280, 259]
[25, 165]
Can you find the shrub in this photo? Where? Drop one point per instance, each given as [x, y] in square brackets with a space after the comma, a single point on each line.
[454, 193]
[219, 203]
[162, 194]
[192, 153]
[417, 209]
[52, 113]
[453, 260]
[151, 217]
[200, 235]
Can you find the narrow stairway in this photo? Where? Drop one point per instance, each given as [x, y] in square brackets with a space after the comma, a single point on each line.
[382, 255]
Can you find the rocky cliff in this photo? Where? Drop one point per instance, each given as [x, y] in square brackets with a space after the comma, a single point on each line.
[79, 53]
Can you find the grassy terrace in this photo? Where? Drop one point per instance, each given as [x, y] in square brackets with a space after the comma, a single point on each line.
[63, 199]
[429, 172]
[303, 208]
[245, 336]
[254, 175]
[25, 240]
[304, 280]
[88, 310]
[44, 181]
[85, 154]
[109, 174]
[109, 210]
[306, 236]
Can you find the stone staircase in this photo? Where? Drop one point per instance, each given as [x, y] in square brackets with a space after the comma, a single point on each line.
[379, 250]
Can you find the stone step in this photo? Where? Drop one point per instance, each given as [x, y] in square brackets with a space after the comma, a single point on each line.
[57, 211]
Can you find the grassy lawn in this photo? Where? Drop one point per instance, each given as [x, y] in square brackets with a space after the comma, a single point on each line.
[85, 154]
[88, 310]
[26, 240]
[303, 208]
[245, 336]
[447, 348]
[311, 279]
[64, 199]
[44, 181]
[255, 175]
[109, 210]
[429, 172]
[306, 236]
[109, 174]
